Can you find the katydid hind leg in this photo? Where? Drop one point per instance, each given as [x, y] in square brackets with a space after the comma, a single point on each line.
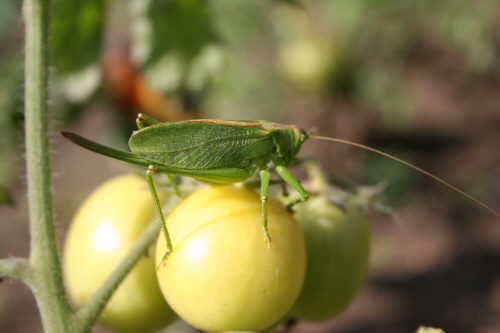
[293, 182]
[264, 190]
[157, 203]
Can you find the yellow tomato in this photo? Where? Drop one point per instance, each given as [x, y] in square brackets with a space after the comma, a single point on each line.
[338, 247]
[221, 275]
[101, 233]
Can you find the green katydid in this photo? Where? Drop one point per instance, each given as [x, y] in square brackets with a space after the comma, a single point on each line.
[219, 152]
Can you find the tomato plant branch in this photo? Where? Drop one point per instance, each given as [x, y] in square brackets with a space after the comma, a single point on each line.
[87, 314]
[15, 268]
[46, 282]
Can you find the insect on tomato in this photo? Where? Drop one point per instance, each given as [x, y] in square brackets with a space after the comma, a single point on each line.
[213, 151]
[220, 152]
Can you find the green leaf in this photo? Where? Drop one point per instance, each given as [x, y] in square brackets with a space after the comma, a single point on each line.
[182, 27]
[75, 34]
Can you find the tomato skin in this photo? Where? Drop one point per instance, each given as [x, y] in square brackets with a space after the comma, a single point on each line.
[221, 275]
[338, 246]
[102, 231]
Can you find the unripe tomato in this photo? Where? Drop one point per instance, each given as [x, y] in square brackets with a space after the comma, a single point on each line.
[338, 246]
[221, 275]
[307, 62]
[101, 233]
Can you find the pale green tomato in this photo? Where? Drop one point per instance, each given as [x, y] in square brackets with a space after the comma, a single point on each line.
[307, 62]
[338, 247]
[101, 233]
[222, 276]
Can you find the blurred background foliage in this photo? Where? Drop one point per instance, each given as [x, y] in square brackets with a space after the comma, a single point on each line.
[417, 79]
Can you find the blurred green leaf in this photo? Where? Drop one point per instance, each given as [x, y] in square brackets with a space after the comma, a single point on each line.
[182, 27]
[75, 34]
[240, 23]
[11, 117]
[8, 11]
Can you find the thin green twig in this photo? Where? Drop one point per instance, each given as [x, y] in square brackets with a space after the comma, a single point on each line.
[87, 314]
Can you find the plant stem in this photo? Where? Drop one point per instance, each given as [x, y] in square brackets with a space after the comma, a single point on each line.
[43, 270]
[87, 314]
[15, 268]
[46, 280]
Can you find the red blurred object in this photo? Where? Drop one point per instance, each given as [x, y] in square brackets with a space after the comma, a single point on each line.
[126, 84]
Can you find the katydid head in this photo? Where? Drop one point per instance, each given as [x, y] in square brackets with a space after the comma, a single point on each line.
[300, 136]
[288, 139]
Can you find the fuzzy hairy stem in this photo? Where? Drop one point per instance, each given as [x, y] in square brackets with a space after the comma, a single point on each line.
[42, 272]
[46, 280]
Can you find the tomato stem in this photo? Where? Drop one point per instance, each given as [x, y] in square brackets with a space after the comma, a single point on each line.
[90, 310]
[15, 268]
[47, 284]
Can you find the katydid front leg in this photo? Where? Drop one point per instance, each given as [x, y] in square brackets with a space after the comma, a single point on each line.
[293, 182]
